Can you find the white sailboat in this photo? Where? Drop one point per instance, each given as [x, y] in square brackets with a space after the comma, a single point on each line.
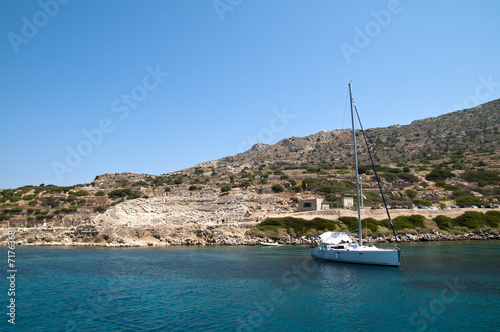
[340, 247]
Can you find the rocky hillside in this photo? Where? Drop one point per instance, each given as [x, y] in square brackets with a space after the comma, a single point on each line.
[470, 130]
[451, 160]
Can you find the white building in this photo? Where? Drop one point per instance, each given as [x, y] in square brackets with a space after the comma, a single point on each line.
[347, 202]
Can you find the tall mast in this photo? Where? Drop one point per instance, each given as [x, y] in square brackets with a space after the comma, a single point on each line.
[356, 167]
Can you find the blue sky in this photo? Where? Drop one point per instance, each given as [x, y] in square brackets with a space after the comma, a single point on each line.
[93, 87]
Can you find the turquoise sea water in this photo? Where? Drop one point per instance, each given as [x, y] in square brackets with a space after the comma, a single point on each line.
[450, 286]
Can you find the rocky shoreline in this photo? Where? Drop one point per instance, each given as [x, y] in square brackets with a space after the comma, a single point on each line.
[227, 235]
[437, 236]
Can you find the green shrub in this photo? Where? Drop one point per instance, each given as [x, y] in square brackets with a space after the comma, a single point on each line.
[15, 210]
[294, 226]
[469, 200]
[192, 188]
[471, 220]
[100, 193]
[440, 183]
[344, 186]
[50, 201]
[411, 193]
[134, 195]
[308, 183]
[225, 188]
[440, 174]
[55, 189]
[443, 222]
[458, 193]
[326, 189]
[397, 199]
[80, 193]
[402, 222]
[313, 169]
[408, 177]
[417, 220]
[493, 218]
[98, 239]
[71, 209]
[331, 197]
[371, 224]
[482, 177]
[117, 202]
[277, 188]
[28, 197]
[350, 222]
[117, 193]
[14, 199]
[424, 202]
[365, 169]
[44, 216]
[373, 197]
[246, 183]
[390, 177]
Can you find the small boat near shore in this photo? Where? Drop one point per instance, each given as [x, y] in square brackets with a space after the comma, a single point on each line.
[269, 244]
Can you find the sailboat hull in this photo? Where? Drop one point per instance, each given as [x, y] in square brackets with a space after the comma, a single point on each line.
[361, 255]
